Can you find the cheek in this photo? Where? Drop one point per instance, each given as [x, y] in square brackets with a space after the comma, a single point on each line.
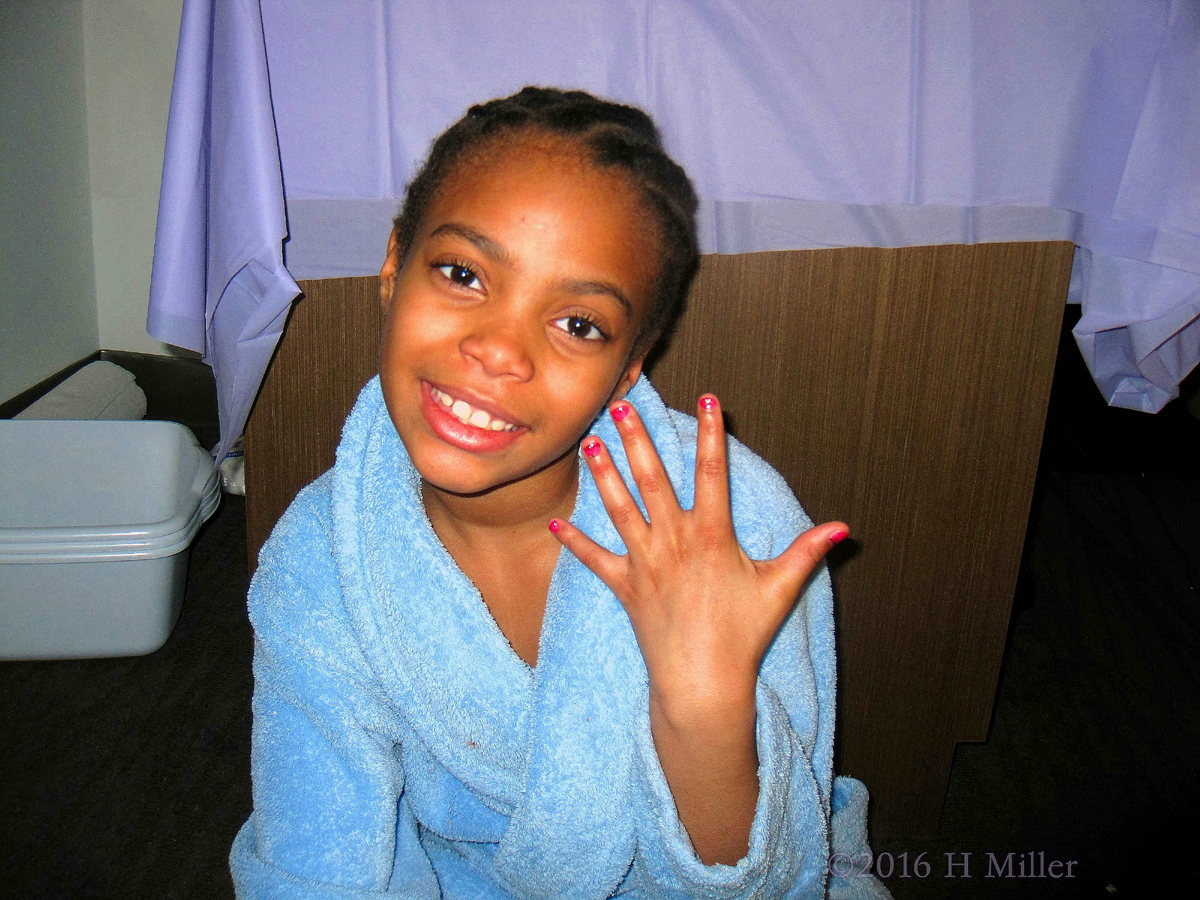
[583, 394]
[410, 326]
[392, 350]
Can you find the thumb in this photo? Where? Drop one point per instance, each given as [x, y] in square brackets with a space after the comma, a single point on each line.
[791, 568]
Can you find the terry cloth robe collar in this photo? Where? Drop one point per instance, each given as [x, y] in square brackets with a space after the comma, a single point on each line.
[549, 747]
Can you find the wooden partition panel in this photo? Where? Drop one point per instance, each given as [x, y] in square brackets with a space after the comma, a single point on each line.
[329, 350]
[902, 390]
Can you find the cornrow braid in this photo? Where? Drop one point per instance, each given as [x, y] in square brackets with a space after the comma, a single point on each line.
[614, 136]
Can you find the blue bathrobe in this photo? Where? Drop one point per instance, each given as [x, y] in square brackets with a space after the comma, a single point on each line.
[402, 748]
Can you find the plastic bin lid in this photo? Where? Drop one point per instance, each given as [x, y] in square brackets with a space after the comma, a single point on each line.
[81, 491]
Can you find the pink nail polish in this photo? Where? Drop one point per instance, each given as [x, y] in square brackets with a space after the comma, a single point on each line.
[708, 403]
[555, 525]
[591, 447]
[838, 536]
[620, 411]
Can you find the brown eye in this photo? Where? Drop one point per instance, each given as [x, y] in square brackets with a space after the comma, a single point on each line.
[460, 276]
[580, 327]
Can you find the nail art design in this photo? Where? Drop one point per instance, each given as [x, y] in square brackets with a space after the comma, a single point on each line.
[708, 403]
[838, 536]
[620, 411]
[591, 447]
[555, 525]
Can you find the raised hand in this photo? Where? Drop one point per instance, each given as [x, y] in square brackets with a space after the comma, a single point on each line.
[704, 614]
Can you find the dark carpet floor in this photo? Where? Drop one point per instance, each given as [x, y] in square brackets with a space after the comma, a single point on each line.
[1095, 739]
[128, 778]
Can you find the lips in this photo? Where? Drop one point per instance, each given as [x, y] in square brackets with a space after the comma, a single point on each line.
[461, 420]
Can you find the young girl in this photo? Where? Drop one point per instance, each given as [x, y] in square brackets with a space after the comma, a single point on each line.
[446, 703]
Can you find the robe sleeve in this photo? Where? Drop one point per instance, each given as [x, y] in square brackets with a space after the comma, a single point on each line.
[788, 840]
[795, 821]
[329, 820]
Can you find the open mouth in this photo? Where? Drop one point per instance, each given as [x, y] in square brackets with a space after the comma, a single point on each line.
[469, 415]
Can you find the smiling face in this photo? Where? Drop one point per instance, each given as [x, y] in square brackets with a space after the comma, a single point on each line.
[511, 322]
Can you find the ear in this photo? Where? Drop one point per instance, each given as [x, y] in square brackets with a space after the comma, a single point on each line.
[389, 272]
[629, 379]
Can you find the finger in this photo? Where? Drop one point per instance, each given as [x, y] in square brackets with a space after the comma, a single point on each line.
[614, 493]
[604, 564]
[712, 467]
[790, 569]
[644, 462]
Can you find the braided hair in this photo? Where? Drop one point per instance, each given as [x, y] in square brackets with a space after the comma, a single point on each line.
[613, 136]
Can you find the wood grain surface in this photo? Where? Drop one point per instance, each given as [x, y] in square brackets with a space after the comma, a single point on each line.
[329, 350]
[902, 390]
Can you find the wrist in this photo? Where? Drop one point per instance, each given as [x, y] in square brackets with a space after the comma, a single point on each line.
[712, 711]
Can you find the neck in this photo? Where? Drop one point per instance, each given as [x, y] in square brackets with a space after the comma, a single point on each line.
[524, 506]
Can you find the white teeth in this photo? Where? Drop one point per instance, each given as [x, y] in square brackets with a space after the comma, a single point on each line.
[468, 415]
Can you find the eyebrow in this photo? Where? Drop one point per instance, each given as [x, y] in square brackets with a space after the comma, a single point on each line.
[485, 244]
[496, 251]
[600, 287]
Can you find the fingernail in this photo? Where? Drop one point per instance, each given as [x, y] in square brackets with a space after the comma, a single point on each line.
[591, 447]
[555, 525]
[838, 536]
[620, 411]
[708, 403]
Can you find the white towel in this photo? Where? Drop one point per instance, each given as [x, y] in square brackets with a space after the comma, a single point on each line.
[100, 390]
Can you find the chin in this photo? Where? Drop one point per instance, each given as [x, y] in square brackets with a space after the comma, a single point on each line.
[467, 475]
[459, 484]
[458, 472]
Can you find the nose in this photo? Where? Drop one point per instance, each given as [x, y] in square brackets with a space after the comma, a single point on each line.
[499, 347]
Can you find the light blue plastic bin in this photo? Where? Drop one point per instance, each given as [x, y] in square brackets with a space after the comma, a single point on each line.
[95, 524]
